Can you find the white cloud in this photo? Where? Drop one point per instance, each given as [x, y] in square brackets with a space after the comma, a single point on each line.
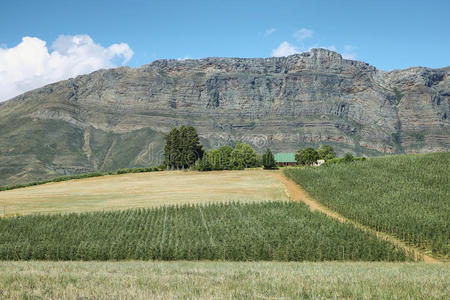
[186, 57]
[303, 34]
[269, 31]
[30, 64]
[285, 49]
[349, 52]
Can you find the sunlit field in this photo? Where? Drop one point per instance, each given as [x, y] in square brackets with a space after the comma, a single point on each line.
[223, 280]
[142, 190]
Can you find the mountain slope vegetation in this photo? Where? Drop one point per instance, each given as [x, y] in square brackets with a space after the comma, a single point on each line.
[117, 118]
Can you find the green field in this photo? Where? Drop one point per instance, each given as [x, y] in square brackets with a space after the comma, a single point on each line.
[407, 195]
[222, 280]
[227, 234]
[282, 231]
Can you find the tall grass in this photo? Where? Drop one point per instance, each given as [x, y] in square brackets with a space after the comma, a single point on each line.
[222, 280]
[406, 195]
[284, 231]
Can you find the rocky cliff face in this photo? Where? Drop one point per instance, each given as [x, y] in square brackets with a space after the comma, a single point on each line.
[117, 118]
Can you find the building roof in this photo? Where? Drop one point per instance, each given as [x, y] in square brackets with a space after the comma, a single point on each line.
[285, 158]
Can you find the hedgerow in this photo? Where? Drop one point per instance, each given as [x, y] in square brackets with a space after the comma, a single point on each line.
[78, 176]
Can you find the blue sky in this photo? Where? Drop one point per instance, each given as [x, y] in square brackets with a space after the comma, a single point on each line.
[387, 34]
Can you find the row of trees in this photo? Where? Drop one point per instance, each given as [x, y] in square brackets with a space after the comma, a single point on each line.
[183, 150]
[227, 158]
[309, 155]
[286, 231]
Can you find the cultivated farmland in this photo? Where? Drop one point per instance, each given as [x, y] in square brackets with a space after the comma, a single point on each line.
[408, 195]
[154, 189]
[283, 231]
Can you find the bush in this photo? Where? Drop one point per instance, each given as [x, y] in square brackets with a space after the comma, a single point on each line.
[348, 157]
[342, 160]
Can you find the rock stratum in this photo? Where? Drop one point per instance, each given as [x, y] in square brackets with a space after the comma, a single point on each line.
[117, 118]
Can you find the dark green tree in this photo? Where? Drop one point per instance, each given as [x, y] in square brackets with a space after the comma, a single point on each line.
[182, 148]
[236, 160]
[220, 158]
[326, 152]
[203, 164]
[307, 156]
[243, 156]
[348, 157]
[170, 149]
[268, 160]
[191, 148]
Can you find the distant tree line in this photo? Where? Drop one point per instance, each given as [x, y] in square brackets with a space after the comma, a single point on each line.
[309, 155]
[228, 158]
[183, 150]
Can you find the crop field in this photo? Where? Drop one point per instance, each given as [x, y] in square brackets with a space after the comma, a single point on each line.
[282, 231]
[222, 280]
[142, 190]
[407, 195]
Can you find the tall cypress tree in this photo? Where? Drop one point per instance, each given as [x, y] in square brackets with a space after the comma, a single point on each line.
[268, 160]
[171, 150]
[194, 150]
[182, 148]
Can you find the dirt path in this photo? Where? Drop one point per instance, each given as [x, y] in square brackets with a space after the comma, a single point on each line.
[297, 194]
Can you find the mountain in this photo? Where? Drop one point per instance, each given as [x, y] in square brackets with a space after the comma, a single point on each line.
[117, 118]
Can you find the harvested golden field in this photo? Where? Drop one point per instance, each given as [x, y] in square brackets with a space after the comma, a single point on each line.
[143, 190]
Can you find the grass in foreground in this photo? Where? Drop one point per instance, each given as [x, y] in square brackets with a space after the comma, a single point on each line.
[142, 190]
[284, 231]
[223, 280]
[406, 195]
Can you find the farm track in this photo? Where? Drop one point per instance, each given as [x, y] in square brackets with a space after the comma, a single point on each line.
[296, 193]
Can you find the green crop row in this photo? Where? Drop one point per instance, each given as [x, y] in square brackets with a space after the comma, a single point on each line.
[405, 195]
[284, 231]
